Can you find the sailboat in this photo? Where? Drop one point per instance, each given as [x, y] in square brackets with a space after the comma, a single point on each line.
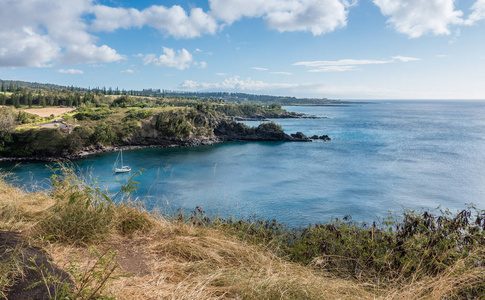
[121, 168]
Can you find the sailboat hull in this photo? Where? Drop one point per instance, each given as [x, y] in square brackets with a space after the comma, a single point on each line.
[122, 170]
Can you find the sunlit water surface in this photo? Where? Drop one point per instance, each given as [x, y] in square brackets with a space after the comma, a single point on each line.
[382, 157]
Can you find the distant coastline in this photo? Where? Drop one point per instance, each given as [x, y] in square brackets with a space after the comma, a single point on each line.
[227, 131]
[50, 123]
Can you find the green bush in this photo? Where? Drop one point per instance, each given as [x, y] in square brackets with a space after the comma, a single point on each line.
[137, 114]
[132, 219]
[89, 114]
[39, 142]
[78, 139]
[82, 213]
[411, 246]
[103, 134]
[173, 125]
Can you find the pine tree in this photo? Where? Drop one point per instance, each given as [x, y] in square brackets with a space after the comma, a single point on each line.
[42, 101]
[16, 100]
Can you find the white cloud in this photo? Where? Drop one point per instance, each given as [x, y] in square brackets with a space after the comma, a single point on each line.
[76, 54]
[305, 89]
[22, 47]
[235, 83]
[405, 58]
[326, 89]
[173, 21]
[281, 73]
[42, 32]
[70, 71]
[478, 12]
[198, 50]
[221, 74]
[201, 64]
[181, 59]
[441, 56]
[341, 62]
[418, 17]
[259, 69]
[128, 71]
[316, 16]
[343, 65]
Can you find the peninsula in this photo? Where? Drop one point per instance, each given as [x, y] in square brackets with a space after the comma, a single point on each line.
[43, 123]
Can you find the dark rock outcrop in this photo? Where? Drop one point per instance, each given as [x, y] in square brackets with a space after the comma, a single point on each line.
[322, 137]
[299, 135]
[233, 131]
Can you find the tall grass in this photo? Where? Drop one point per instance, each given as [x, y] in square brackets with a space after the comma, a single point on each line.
[84, 214]
[418, 255]
[11, 267]
[416, 246]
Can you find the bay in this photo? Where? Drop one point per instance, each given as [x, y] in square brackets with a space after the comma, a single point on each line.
[383, 156]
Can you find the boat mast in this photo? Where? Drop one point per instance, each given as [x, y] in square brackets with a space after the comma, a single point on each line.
[121, 153]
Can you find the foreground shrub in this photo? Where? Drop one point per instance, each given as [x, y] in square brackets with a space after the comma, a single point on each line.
[82, 213]
[130, 219]
[414, 246]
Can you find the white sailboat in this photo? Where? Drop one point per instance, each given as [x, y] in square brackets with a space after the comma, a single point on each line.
[121, 168]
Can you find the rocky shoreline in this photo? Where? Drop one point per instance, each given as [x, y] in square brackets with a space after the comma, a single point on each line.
[224, 130]
[166, 143]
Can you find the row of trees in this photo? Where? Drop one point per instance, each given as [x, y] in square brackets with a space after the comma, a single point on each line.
[16, 86]
[23, 98]
[11, 86]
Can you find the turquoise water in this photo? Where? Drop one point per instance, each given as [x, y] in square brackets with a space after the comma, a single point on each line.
[382, 157]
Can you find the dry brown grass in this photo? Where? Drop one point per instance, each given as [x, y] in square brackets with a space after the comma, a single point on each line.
[174, 260]
[47, 111]
[20, 211]
[452, 284]
[177, 261]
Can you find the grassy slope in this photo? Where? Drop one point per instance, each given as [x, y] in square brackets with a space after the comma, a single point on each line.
[177, 260]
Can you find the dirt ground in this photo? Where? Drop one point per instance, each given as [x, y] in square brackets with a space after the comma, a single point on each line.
[45, 112]
[30, 257]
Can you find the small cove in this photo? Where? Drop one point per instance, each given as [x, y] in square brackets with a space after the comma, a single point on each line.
[382, 157]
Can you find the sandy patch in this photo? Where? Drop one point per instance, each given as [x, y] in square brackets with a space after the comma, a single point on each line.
[46, 112]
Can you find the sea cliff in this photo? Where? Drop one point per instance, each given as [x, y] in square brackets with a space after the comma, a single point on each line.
[188, 128]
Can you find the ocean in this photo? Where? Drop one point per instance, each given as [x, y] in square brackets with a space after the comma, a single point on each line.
[385, 156]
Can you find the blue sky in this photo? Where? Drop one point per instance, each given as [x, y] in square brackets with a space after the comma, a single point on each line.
[339, 49]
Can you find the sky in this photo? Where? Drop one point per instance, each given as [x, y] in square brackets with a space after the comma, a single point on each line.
[337, 49]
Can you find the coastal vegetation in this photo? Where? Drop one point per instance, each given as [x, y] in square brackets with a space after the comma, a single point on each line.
[96, 121]
[90, 244]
